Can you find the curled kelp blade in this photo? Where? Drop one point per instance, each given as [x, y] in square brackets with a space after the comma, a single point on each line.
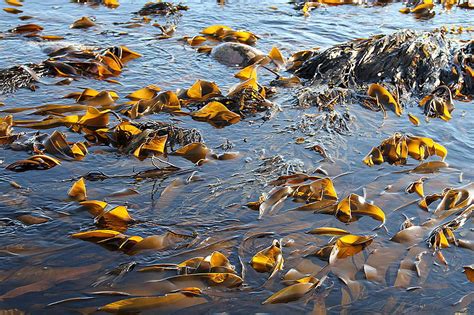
[35, 162]
[269, 259]
[354, 205]
[384, 98]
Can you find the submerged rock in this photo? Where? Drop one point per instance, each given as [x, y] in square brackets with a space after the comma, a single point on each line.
[235, 54]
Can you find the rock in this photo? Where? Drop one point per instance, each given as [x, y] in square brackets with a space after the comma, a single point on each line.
[234, 54]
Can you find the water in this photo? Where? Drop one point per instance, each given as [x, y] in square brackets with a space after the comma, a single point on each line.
[58, 267]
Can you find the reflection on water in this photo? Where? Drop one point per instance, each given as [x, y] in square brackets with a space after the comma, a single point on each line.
[42, 264]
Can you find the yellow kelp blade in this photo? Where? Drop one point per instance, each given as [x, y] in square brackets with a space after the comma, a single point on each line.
[155, 146]
[95, 118]
[111, 3]
[78, 190]
[384, 97]
[413, 119]
[97, 234]
[202, 90]
[194, 152]
[35, 162]
[268, 260]
[328, 231]
[216, 112]
[349, 245]
[84, 22]
[215, 29]
[167, 303]
[357, 205]
[145, 93]
[277, 57]
[291, 293]
[469, 271]
[14, 2]
[416, 187]
[247, 72]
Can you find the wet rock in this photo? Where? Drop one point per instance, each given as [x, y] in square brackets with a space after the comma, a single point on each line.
[235, 54]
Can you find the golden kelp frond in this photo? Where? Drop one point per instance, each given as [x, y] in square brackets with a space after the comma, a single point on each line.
[349, 245]
[151, 146]
[146, 93]
[35, 162]
[132, 244]
[354, 205]
[92, 119]
[423, 10]
[297, 59]
[72, 62]
[413, 119]
[217, 114]
[78, 190]
[195, 152]
[450, 199]
[293, 292]
[216, 262]
[6, 124]
[328, 231]
[170, 302]
[316, 190]
[318, 193]
[277, 57]
[269, 259]
[397, 148]
[83, 22]
[443, 235]
[384, 98]
[109, 213]
[27, 28]
[438, 104]
[416, 187]
[164, 102]
[225, 33]
[57, 145]
[201, 90]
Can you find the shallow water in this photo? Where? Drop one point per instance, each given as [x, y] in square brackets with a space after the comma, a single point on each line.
[59, 267]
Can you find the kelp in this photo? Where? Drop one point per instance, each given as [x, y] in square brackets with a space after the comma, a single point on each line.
[162, 8]
[114, 240]
[108, 3]
[68, 62]
[397, 149]
[414, 64]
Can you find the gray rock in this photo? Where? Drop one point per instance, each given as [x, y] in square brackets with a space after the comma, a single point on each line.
[234, 54]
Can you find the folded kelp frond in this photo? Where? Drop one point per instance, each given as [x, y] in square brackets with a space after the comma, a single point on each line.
[409, 61]
[70, 61]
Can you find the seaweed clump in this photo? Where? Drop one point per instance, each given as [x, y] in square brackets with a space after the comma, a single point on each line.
[411, 63]
[161, 8]
[69, 62]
